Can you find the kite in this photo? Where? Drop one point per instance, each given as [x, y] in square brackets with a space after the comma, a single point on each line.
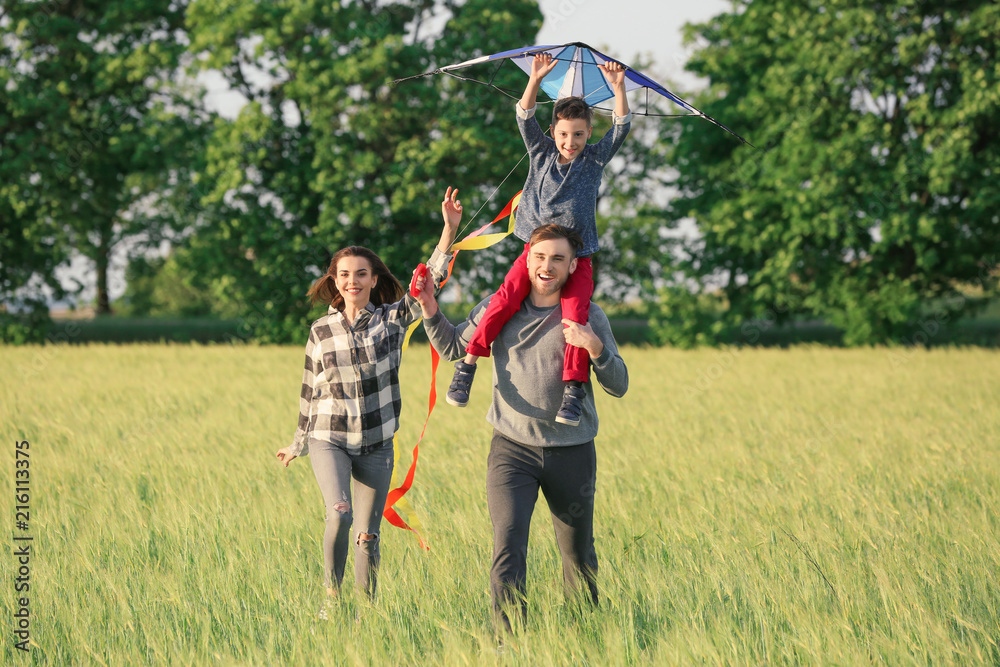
[577, 73]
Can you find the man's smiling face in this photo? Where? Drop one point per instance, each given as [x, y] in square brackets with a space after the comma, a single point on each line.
[549, 264]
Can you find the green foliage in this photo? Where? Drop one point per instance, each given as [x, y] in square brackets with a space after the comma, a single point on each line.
[28, 323]
[873, 187]
[753, 507]
[29, 240]
[686, 319]
[161, 287]
[91, 126]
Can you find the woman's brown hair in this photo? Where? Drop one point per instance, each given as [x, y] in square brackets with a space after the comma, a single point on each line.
[387, 289]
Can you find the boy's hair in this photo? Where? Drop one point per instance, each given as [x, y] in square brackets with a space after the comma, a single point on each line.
[571, 108]
[554, 231]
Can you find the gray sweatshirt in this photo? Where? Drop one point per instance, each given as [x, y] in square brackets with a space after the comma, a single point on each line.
[527, 372]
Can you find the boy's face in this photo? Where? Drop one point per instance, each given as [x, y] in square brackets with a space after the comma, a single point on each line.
[571, 137]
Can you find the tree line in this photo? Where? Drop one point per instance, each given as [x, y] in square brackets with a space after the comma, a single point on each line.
[869, 193]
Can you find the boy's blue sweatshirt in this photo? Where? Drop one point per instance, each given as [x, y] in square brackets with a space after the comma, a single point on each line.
[565, 194]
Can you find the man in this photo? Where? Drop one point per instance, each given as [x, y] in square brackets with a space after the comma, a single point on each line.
[530, 451]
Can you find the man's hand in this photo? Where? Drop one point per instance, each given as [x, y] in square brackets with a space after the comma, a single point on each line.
[451, 212]
[582, 335]
[285, 456]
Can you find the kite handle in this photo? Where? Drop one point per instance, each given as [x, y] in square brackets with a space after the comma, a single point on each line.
[421, 272]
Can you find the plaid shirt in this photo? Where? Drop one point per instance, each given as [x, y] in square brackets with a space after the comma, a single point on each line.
[350, 385]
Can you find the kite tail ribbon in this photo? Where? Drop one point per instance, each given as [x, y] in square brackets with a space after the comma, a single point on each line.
[396, 495]
[396, 498]
[475, 241]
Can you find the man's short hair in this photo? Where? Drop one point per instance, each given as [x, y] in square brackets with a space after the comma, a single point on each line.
[554, 231]
[571, 108]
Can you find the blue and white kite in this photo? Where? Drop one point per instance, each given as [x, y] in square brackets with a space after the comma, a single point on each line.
[577, 73]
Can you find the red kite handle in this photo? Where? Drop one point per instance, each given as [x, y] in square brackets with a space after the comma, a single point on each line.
[421, 273]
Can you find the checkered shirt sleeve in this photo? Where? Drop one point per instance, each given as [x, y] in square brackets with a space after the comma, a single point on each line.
[350, 383]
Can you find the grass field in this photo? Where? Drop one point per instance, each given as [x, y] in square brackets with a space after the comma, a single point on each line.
[806, 506]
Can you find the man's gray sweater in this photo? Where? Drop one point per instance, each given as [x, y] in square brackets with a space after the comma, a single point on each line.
[527, 372]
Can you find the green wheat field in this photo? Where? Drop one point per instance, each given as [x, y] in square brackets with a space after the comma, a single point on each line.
[802, 506]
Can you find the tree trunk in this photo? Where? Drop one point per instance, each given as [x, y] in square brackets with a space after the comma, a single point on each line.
[103, 306]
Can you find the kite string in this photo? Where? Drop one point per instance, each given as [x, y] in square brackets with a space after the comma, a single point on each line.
[466, 225]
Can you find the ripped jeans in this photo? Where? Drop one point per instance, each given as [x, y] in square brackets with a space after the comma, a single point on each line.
[372, 472]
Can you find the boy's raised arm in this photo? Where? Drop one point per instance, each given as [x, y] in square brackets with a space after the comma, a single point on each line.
[541, 65]
[614, 73]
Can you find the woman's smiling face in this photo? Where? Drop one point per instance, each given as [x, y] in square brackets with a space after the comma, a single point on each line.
[355, 280]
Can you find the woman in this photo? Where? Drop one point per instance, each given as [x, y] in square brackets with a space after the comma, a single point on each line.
[349, 405]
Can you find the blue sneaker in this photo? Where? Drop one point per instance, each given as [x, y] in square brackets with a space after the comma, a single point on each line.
[572, 405]
[461, 384]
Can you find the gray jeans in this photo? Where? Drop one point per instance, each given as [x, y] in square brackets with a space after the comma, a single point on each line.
[372, 472]
[567, 477]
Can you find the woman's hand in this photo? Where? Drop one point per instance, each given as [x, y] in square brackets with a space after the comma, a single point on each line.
[451, 209]
[285, 456]
[451, 212]
[425, 294]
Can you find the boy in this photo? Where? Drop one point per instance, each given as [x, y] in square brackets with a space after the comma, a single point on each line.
[562, 185]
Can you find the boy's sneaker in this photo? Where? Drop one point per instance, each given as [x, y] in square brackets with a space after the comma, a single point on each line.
[572, 405]
[461, 383]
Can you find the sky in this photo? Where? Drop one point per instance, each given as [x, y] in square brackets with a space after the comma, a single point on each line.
[651, 28]
[623, 29]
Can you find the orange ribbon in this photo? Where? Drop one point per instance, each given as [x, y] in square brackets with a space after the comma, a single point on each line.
[396, 495]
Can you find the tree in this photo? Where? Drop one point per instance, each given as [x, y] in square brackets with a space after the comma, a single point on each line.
[327, 153]
[165, 287]
[638, 239]
[29, 249]
[97, 123]
[873, 187]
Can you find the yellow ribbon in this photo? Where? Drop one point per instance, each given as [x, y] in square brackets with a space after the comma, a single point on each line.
[486, 240]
